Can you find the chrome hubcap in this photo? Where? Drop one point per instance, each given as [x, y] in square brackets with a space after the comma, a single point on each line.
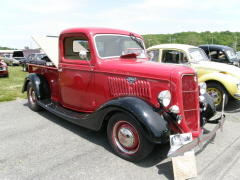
[126, 137]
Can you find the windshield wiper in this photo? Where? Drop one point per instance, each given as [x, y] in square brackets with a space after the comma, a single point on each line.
[134, 38]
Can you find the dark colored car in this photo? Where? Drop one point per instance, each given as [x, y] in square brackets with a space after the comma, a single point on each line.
[222, 54]
[34, 58]
[3, 69]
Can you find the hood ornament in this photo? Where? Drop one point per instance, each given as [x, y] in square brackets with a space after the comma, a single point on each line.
[131, 80]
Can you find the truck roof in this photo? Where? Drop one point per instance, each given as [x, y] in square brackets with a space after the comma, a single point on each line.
[97, 30]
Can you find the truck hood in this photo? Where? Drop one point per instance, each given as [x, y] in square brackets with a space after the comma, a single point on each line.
[49, 44]
[217, 67]
[143, 68]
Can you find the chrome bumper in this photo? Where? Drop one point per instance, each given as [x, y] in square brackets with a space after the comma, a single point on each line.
[203, 137]
[237, 95]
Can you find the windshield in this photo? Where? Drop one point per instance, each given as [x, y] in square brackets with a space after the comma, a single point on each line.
[231, 54]
[112, 45]
[238, 55]
[197, 55]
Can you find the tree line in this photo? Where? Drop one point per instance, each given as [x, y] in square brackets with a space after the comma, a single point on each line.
[226, 38]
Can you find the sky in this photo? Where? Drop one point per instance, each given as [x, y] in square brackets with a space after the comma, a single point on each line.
[20, 19]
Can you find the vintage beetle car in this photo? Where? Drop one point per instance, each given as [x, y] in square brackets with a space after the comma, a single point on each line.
[220, 78]
[3, 69]
[221, 54]
[95, 84]
[34, 58]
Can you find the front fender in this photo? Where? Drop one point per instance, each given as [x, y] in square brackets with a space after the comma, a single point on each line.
[228, 81]
[40, 83]
[153, 125]
[210, 110]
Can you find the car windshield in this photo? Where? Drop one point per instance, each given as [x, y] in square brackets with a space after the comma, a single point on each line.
[197, 55]
[112, 45]
[231, 54]
[238, 55]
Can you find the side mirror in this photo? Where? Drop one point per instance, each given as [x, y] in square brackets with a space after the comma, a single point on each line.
[82, 54]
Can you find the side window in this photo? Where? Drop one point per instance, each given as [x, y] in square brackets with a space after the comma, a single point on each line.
[29, 57]
[221, 55]
[153, 55]
[213, 55]
[173, 56]
[39, 57]
[32, 56]
[73, 45]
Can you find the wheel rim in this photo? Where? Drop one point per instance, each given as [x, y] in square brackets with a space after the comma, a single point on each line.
[125, 137]
[215, 94]
[31, 96]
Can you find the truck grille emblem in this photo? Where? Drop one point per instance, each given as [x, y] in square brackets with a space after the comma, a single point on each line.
[131, 80]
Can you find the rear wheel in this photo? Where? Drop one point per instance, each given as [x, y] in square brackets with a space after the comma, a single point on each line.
[127, 139]
[216, 92]
[32, 98]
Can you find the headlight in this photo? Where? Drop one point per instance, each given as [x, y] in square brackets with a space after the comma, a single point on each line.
[202, 87]
[238, 85]
[4, 68]
[164, 98]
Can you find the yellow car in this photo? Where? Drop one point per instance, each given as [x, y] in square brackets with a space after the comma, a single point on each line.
[220, 78]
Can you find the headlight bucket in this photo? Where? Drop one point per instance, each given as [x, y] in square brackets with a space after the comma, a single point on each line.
[164, 98]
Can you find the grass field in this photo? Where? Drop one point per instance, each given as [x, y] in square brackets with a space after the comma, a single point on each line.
[11, 87]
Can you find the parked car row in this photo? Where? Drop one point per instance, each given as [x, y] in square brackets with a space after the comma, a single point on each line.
[17, 56]
[220, 78]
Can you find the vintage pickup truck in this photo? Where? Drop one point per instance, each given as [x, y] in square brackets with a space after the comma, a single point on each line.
[94, 83]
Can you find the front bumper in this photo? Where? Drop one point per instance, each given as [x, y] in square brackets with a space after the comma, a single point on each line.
[237, 95]
[203, 137]
[199, 141]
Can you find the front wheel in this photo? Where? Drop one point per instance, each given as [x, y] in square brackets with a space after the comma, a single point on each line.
[127, 139]
[32, 98]
[216, 92]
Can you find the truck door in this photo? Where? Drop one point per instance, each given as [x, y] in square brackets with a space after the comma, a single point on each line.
[76, 76]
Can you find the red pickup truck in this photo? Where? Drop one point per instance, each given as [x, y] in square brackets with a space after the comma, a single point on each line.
[95, 83]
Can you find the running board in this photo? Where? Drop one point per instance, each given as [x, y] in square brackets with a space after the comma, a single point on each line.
[55, 108]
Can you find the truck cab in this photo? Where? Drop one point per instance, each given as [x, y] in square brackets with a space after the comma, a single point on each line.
[95, 81]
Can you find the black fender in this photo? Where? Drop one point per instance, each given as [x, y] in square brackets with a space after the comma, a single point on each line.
[153, 124]
[40, 83]
[210, 111]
